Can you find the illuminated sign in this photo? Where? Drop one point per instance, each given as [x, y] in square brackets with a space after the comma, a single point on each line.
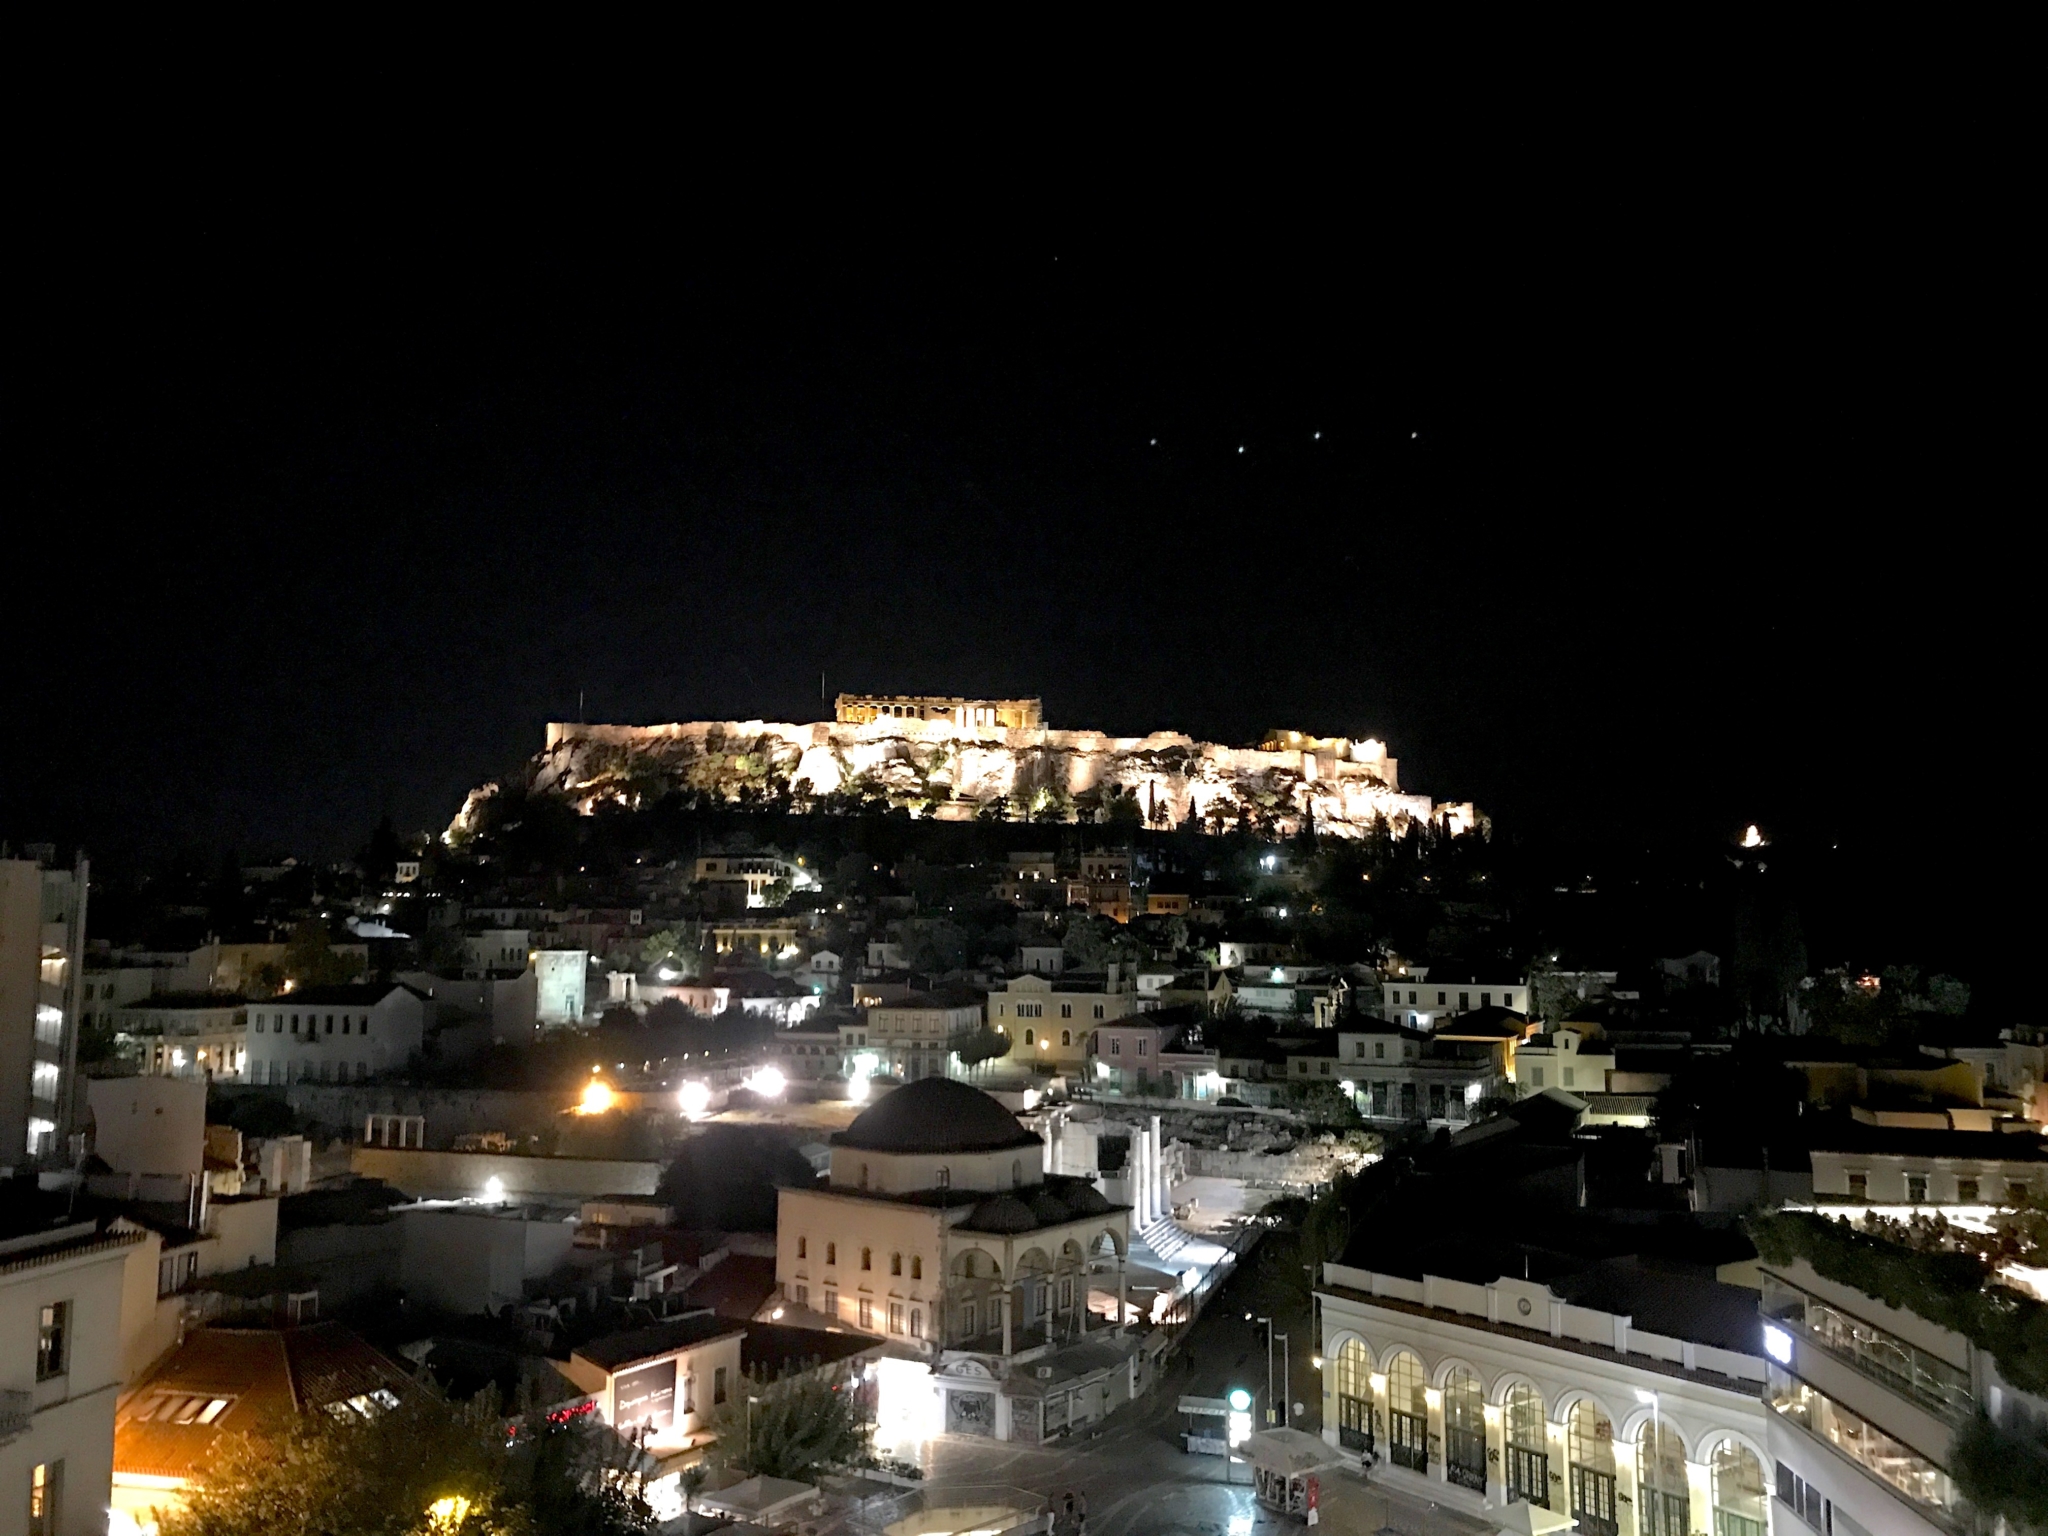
[645, 1396]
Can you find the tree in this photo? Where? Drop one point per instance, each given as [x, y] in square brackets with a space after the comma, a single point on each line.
[310, 959]
[984, 1044]
[321, 1474]
[796, 1425]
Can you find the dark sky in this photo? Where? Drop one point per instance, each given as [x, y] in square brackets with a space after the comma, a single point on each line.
[1614, 529]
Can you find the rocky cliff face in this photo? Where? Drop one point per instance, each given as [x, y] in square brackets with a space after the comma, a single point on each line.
[936, 768]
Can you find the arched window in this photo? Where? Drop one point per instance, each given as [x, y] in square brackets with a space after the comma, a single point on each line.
[1528, 1448]
[1663, 1503]
[945, 1178]
[1738, 1491]
[1066, 1037]
[1464, 1430]
[916, 1267]
[1407, 1412]
[1029, 1036]
[1354, 1396]
[867, 1258]
[895, 1263]
[1589, 1451]
[803, 1245]
[831, 1253]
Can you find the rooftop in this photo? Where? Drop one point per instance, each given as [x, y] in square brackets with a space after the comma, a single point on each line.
[614, 1351]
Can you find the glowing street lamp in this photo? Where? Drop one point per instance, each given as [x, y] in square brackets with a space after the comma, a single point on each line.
[597, 1097]
[768, 1082]
[694, 1099]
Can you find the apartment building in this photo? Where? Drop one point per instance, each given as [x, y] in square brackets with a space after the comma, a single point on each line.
[42, 962]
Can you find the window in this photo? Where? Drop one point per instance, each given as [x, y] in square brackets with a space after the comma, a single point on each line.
[895, 1317]
[867, 1258]
[1535, 1077]
[53, 1341]
[1116, 1046]
[863, 1175]
[1966, 1191]
[1066, 1010]
[1486, 999]
[1568, 1078]
[261, 1028]
[831, 1253]
[1379, 1050]
[45, 1498]
[718, 1386]
[831, 1306]
[916, 1267]
[1098, 1010]
[1030, 1036]
[1800, 1496]
[917, 1322]
[896, 1267]
[1464, 1000]
[945, 1178]
[1323, 1067]
[1916, 1188]
[330, 1023]
[363, 1025]
[1016, 1172]
[867, 1313]
[1663, 1499]
[1859, 1186]
[1066, 1037]
[295, 1023]
[174, 1269]
[803, 1295]
[1738, 1491]
[803, 1247]
[344, 1023]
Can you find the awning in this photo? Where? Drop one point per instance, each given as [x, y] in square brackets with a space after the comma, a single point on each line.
[1288, 1452]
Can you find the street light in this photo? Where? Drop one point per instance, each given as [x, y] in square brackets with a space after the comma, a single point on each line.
[1269, 1366]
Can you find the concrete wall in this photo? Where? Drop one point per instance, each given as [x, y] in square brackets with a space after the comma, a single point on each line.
[149, 1124]
[464, 1175]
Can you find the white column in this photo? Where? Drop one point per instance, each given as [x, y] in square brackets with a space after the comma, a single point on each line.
[1162, 1196]
[1141, 1178]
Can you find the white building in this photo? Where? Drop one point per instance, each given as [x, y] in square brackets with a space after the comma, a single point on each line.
[60, 1371]
[42, 957]
[1870, 1401]
[336, 1034]
[1562, 1059]
[186, 1034]
[914, 1036]
[1627, 1395]
[940, 1231]
[496, 952]
[1418, 1002]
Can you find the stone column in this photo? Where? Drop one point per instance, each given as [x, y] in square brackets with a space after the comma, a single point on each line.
[1122, 1289]
[1625, 1483]
[1006, 1293]
[1140, 1151]
[1439, 1446]
[1165, 1190]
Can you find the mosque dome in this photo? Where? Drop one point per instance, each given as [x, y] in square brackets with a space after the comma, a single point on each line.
[935, 1115]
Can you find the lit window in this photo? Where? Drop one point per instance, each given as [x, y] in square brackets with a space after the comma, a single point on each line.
[53, 1341]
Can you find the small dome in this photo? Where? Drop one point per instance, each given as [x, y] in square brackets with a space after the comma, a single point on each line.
[1047, 1206]
[1005, 1213]
[1084, 1199]
[935, 1114]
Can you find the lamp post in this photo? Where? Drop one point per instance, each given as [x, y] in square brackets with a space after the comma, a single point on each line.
[1269, 1361]
[751, 1400]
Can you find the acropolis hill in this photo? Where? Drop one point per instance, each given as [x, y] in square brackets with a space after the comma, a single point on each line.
[959, 758]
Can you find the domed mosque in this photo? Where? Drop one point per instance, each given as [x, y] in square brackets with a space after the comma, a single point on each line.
[939, 1230]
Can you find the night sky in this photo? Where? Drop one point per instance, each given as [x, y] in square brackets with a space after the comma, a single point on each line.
[1625, 536]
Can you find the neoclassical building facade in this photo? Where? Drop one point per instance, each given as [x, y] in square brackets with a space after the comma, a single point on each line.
[1471, 1393]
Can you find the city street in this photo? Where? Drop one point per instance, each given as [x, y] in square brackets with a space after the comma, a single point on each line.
[1140, 1482]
